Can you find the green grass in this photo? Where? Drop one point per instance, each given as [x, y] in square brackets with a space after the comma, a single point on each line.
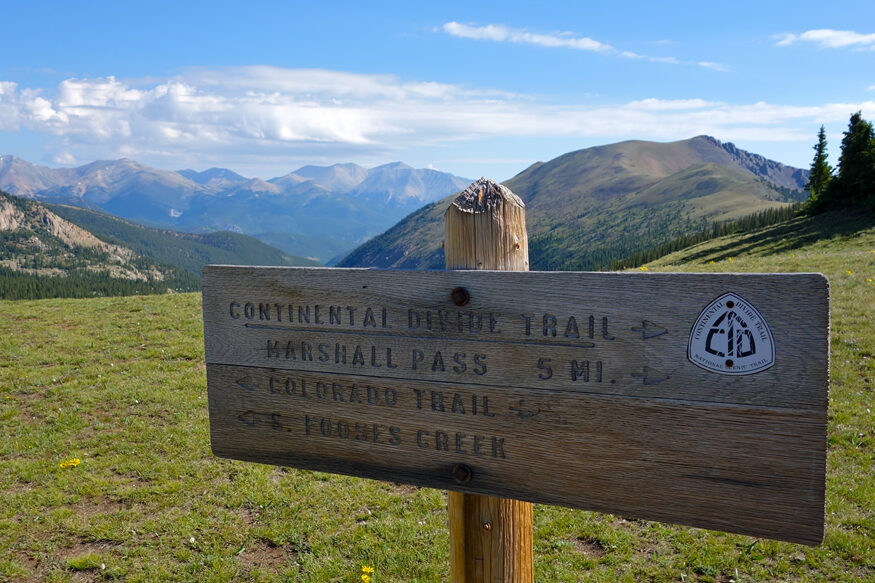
[119, 383]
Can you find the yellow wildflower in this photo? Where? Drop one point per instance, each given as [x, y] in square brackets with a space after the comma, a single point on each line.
[366, 578]
[643, 268]
[711, 262]
[869, 279]
[70, 463]
[729, 259]
[367, 569]
[849, 272]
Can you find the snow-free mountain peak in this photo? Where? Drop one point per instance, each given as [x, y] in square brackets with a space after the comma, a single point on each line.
[338, 177]
[315, 211]
[213, 177]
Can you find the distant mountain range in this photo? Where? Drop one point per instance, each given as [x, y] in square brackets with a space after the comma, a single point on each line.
[589, 207]
[315, 211]
[584, 209]
[65, 251]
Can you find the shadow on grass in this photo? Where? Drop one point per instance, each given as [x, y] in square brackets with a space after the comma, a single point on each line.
[790, 236]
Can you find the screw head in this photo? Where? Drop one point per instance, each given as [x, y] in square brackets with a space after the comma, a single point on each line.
[462, 473]
[460, 296]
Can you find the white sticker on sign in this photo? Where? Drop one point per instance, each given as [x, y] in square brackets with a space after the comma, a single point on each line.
[731, 337]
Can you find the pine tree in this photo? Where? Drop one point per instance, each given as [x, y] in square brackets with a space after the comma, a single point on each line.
[855, 183]
[821, 175]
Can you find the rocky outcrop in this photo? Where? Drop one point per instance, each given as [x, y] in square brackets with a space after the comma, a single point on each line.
[40, 237]
[774, 172]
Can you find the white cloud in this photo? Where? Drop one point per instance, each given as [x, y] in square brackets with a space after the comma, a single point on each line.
[500, 33]
[236, 117]
[10, 107]
[830, 39]
[631, 55]
[713, 66]
[568, 40]
[652, 104]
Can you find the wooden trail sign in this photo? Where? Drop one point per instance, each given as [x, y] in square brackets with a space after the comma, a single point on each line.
[698, 399]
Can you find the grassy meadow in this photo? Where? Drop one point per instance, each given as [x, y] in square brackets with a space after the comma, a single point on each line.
[106, 471]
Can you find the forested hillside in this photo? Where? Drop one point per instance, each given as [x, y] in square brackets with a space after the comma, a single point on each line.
[191, 251]
[61, 251]
[43, 255]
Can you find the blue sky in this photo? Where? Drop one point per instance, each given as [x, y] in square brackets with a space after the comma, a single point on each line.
[475, 89]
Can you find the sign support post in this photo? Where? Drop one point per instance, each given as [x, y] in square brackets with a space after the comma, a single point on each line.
[490, 537]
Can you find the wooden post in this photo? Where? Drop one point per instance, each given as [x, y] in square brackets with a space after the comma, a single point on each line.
[490, 537]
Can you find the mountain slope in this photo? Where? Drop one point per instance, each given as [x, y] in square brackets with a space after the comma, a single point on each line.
[19, 176]
[44, 255]
[143, 192]
[583, 206]
[839, 244]
[60, 251]
[189, 251]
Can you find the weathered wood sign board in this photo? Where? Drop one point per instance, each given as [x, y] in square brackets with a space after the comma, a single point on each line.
[699, 399]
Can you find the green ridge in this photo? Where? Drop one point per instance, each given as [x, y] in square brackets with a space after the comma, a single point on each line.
[190, 251]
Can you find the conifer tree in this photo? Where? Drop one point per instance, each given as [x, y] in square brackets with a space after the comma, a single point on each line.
[821, 174]
[855, 183]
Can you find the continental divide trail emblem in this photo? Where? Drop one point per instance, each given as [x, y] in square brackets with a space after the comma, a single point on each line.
[731, 337]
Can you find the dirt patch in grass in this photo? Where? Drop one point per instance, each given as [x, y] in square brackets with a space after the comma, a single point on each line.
[26, 395]
[404, 489]
[590, 547]
[98, 507]
[27, 562]
[86, 548]
[20, 486]
[85, 559]
[278, 474]
[264, 554]
[250, 515]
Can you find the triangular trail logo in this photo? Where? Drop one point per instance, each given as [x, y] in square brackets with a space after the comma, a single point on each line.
[731, 337]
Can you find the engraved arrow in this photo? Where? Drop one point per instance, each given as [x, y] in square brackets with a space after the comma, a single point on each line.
[524, 412]
[651, 376]
[249, 418]
[246, 384]
[649, 330]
